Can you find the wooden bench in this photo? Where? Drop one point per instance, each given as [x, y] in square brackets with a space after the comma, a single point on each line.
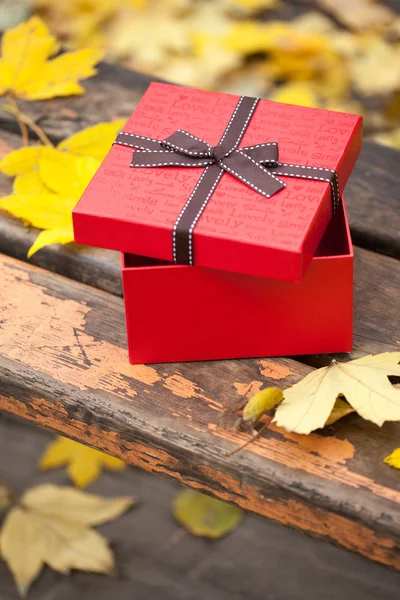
[63, 363]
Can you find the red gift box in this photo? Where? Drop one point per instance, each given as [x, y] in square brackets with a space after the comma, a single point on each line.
[177, 313]
[250, 246]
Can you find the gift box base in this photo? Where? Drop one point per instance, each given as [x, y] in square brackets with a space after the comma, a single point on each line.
[177, 313]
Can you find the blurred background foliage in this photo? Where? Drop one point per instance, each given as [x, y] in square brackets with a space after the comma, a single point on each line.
[336, 54]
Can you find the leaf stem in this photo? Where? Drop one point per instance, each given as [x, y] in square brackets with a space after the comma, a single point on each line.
[23, 121]
[249, 441]
[22, 126]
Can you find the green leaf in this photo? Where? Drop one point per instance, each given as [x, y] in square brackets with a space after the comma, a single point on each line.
[205, 516]
[260, 403]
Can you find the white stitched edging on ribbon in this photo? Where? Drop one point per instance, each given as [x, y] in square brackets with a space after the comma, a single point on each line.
[231, 119]
[175, 164]
[334, 186]
[184, 151]
[197, 217]
[236, 144]
[245, 125]
[249, 183]
[260, 146]
[193, 138]
[182, 212]
[260, 167]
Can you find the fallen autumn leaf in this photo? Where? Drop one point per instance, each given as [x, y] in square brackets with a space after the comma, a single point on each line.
[27, 72]
[363, 382]
[51, 525]
[205, 516]
[84, 464]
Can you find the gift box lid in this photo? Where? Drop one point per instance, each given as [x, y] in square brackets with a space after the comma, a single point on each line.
[242, 218]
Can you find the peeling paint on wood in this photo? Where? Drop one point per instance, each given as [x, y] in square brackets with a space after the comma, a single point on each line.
[248, 389]
[48, 334]
[312, 520]
[273, 370]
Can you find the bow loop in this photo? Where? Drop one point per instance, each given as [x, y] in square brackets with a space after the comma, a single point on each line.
[250, 172]
[186, 143]
[252, 164]
[264, 154]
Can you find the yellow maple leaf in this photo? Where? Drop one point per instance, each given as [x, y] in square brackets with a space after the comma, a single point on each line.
[389, 138]
[50, 181]
[375, 69]
[93, 141]
[84, 23]
[147, 42]
[84, 464]
[51, 525]
[22, 160]
[26, 71]
[313, 22]
[393, 459]
[296, 92]
[364, 383]
[209, 63]
[44, 197]
[275, 36]
[291, 53]
[361, 15]
[249, 7]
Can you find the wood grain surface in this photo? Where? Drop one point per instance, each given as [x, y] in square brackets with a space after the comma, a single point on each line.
[63, 365]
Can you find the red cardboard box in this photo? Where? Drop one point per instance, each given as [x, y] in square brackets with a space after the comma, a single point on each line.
[177, 313]
[273, 271]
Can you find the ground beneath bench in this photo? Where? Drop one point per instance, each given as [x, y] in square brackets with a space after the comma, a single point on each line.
[156, 559]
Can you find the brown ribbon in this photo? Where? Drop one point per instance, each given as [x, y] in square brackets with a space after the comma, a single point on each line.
[256, 166]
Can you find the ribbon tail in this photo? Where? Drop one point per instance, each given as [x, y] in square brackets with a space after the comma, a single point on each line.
[252, 174]
[139, 142]
[166, 158]
[315, 174]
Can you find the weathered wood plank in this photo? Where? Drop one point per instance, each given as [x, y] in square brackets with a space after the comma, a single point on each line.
[94, 266]
[373, 200]
[64, 366]
[151, 549]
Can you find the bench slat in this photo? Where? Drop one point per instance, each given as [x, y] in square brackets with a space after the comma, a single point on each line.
[63, 364]
[373, 199]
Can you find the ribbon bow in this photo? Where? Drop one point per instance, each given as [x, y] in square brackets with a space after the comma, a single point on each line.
[256, 166]
[182, 149]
